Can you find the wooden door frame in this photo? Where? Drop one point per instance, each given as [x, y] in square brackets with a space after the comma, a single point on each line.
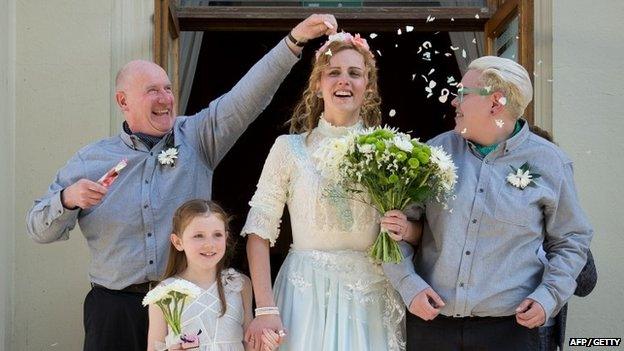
[170, 20]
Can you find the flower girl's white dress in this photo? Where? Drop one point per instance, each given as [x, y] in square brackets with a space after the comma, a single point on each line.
[202, 313]
[330, 295]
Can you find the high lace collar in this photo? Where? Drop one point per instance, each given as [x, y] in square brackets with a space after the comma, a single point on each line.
[330, 130]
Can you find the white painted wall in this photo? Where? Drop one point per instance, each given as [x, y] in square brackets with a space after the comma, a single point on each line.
[588, 123]
[7, 167]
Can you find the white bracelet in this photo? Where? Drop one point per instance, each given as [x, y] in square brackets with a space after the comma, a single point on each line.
[261, 311]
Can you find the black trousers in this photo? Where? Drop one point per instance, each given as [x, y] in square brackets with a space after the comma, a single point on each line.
[114, 320]
[469, 334]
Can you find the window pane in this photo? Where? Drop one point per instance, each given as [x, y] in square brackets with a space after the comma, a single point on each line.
[506, 44]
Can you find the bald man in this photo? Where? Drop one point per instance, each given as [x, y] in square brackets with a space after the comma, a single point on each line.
[169, 160]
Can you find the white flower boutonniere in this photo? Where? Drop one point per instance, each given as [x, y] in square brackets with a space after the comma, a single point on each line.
[168, 157]
[522, 177]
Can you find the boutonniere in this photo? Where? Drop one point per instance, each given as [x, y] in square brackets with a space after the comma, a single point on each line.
[169, 154]
[522, 177]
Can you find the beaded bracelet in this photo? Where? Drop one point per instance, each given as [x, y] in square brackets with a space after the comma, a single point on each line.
[261, 311]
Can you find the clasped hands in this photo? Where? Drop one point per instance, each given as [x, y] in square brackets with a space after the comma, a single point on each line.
[265, 333]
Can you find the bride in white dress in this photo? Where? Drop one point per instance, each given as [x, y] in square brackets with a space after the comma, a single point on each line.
[328, 293]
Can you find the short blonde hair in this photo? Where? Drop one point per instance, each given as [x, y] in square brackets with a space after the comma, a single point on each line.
[508, 77]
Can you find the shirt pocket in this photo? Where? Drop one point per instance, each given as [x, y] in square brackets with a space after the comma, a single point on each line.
[516, 206]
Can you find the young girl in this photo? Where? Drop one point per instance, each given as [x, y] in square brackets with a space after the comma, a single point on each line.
[199, 251]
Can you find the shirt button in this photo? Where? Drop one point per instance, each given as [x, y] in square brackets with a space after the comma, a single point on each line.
[151, 154]
[151, 262]
[149, 234]
[480, 190]
[146, 181]
[506, 150]
[145, 206]
[467, 253]
[461, 285]
[474, 220]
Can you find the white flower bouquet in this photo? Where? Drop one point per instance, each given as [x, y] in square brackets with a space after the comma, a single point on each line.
[171, 299]
[387, 170]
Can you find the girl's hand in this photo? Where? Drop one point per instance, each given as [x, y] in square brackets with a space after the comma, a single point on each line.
[270, 340]
[400, 228]
[254, 332]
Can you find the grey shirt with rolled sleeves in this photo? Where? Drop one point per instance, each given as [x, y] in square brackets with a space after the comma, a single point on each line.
[481, 254]
[128, 232]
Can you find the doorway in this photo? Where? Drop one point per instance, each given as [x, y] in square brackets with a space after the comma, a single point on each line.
[404, 73]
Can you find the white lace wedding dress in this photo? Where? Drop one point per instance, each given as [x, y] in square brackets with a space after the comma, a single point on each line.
[218, 333]
[330, 295]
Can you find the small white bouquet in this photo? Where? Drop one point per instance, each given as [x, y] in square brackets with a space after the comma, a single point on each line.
[388, 170]
[171, 299]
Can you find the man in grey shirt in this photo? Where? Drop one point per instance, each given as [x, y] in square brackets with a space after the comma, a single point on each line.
[476, 281]
[127, 224]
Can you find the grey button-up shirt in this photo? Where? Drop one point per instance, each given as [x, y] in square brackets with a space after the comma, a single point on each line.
[128, 232]
[481, 254]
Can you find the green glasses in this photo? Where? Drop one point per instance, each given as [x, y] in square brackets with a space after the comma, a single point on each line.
[463, 91]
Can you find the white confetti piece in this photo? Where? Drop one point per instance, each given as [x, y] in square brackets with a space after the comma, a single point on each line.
[399, 31]
[450, 79]
[432, 84]
[463, 53]
[499, 123]
[425, 78]
[549, 80]
[513, 56]
[464, 131]
[419, 50]
[517, 37]
[426, 45]
[414, 76]
[454, 48]
[430, 19]
[450, 210]
[474, 40]
[502, 100]
[328, 52]
[488, 88]
[452, 19]
[476, 15]
[444, 95]
[432, 70]
[535, 74]
[539, 62]
[392, 113]
[448, 54]
[373, 35]
[436, 33]
[55, 344]
[427, 56]
[396, 45]
[436, 52]
[379, 52]
[409, 28]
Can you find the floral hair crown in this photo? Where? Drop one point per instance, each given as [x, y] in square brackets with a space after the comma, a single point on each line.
[345, 37]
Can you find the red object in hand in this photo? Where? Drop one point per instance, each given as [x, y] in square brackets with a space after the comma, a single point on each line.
[109, 177]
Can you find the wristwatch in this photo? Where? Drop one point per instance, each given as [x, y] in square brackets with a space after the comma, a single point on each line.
[295, 41]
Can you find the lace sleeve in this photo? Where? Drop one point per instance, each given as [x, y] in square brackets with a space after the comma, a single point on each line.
[267, 204]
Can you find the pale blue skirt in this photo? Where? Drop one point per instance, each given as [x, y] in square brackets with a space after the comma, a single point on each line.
[337, 301]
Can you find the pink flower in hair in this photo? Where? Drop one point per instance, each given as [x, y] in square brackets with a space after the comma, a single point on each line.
[345, 37]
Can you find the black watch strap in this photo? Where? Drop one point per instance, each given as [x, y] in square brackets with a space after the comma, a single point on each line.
[295, 41]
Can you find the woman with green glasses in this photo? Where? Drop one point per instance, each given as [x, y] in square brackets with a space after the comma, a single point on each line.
[475, 281]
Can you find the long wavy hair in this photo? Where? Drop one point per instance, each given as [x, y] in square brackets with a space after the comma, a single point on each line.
[308, 110]
[177, 263]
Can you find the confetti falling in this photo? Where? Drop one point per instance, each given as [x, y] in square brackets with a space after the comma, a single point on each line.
[328, 52]
[399, 31]
[502, 100]
[430, 19]
[448, 54]
[413, 76]
[444, 95]
[379, 52]
[427, 45]
[452, 19]
[476, 15]
[499, 123]
[474, 40]
[392, 113]
[464, 53]
[463, 131]
[409, 28]
[427, 56]
[432, 70]
[454, 48]
[372, 35]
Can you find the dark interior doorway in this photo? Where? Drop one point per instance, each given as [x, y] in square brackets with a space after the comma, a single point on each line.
[226, 56]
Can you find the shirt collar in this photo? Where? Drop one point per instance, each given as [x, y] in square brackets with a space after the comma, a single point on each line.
[511, 143]
[135, 140]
